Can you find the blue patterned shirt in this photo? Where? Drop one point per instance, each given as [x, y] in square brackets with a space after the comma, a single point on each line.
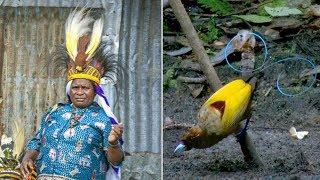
[70, 148]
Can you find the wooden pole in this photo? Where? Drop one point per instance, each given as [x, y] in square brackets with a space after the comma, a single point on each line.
[196, 44]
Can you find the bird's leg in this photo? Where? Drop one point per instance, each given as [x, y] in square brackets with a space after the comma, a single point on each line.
[241, 135]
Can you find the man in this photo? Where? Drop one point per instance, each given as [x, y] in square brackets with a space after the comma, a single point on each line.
[79, 139]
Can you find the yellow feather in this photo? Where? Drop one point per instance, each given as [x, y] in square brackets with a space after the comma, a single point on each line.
[95, 38]
[236, 96]
[76, 26]
[18, 135]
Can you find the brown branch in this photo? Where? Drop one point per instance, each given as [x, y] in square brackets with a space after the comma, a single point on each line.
[198, 80]
[196, 44]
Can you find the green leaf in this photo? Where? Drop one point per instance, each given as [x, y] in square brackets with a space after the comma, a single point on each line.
[168, 77]
[254, 18]
[282, 11]
[217, 6]
[7, 153]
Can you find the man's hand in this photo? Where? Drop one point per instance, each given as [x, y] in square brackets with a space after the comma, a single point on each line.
[27, 166]
[115, 134]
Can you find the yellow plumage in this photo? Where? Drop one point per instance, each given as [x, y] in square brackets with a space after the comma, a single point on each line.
[95, 38]
[236, 96]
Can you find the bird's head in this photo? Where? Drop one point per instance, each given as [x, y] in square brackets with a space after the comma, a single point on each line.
[190, 139]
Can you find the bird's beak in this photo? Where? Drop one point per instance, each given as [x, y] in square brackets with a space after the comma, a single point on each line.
[180, 148]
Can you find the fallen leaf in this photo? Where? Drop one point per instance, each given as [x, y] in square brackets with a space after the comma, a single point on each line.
[254, 18]
[297, 134]
[282, 11]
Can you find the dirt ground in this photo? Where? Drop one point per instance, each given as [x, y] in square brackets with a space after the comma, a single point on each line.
[272, 116]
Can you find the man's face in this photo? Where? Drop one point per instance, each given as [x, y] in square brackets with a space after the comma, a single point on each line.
[82, 93]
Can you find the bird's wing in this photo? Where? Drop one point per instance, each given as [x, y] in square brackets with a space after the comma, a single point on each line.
[236, 106]
[231, 100]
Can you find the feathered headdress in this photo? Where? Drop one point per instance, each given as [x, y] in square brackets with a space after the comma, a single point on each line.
[84, 52]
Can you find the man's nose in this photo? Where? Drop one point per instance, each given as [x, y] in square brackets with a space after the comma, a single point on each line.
[80, 91]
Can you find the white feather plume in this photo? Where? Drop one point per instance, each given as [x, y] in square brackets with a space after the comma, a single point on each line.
[95, 38]
[76, 26]
[18, 134]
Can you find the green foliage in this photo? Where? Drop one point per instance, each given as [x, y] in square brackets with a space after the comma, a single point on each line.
[276, 3]
[210, 36]
[7, 153]
[165, 27]
[208, 31]
[168, 79]
[217, 6]
[8, 161]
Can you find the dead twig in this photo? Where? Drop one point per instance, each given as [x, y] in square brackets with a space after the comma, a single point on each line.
[198, 80]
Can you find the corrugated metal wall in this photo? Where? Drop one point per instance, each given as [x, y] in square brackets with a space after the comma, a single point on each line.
[140, 55]
[28, 85]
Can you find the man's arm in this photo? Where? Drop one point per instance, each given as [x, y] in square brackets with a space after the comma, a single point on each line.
[115, 154]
